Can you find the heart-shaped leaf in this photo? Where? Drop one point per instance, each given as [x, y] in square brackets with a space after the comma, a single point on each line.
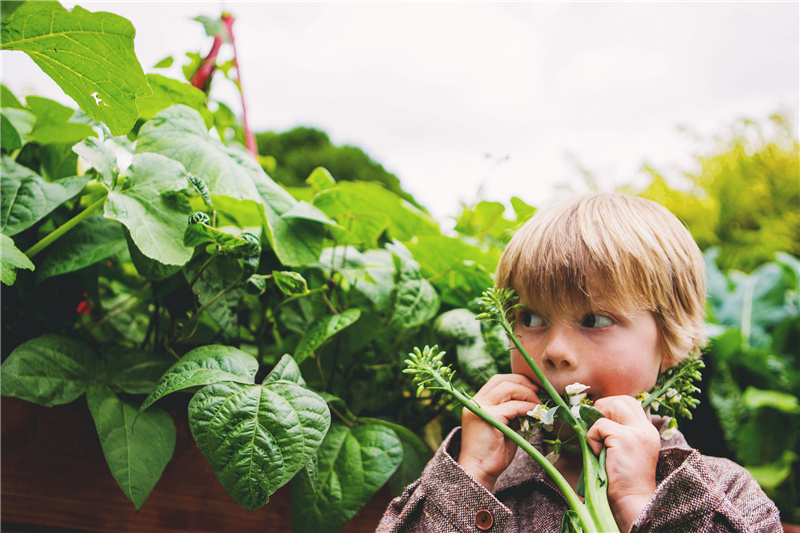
[136, 458]
[11, 260]
[48, 370]
[353, 464]
[26, 198]
[257, 437]
[323, 330]
[286, 370]
[152, 209]
[203, 366]
[201, 233]
[89, 55]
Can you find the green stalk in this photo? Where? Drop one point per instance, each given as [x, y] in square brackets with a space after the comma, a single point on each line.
[61, 230]
[584, 514]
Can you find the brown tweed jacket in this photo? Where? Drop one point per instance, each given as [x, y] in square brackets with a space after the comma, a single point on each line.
[695, 493]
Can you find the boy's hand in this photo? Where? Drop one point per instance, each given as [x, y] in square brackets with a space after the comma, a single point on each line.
[485, 451]
[632, 443]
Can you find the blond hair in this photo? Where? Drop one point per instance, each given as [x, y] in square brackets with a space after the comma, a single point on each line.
[633, 252]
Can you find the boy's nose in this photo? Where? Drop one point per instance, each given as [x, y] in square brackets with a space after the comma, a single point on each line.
[559, 352]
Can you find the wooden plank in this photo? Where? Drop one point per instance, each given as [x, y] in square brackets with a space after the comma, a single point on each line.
[54, 475]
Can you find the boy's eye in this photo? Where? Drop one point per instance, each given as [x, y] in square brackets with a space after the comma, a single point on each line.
[531, 320]
[596, 321]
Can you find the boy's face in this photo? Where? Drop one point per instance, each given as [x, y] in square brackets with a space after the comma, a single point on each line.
[613, 353]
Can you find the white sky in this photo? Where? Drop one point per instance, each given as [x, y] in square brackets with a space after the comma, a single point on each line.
[442, 93]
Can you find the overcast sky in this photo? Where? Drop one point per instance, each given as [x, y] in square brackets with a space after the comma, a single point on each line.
[512, 96]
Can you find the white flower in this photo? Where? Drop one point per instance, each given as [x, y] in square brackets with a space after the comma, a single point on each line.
[676, 398]
[672, 428]
[539, 412]
[552, 457]
[576, 399]
[576, 410]
[671, 392]
[654, 406]
[576, 388]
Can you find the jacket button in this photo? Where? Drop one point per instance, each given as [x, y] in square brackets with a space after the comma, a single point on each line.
[483, 520]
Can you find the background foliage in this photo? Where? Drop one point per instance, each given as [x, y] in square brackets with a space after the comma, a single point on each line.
[149, 255]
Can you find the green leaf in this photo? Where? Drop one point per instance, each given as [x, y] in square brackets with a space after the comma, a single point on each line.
[196, 234]
[135, 371]
[323, 330]
[416, 455]
[136, 458]
[11, 260]
[26, 198]
[754, 398]
[178, 132]
[165, 63]
[224, 271]
[257, 437]
[589, 415]
[167, 92]
[7, 98]
[89, 55]
[155, 219]
[48, 370]
[771, 475]
[320, 179]
[290, 283]
[17, 126]
[102, 159]
[360, 220]
[91, 241]
[286, 370]
[203, 366]
[53, 123]
[416, 302]
[353, 464]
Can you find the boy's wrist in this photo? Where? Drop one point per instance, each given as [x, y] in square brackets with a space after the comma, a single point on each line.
[627, 510]
[477, 473]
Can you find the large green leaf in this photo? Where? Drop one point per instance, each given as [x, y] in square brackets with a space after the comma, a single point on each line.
[203, 366]
[136, 458]
[360, 220]
[416, 455]
[16, 128]
[149, 205]
[102, 159]
[26, 198]
[353, 464]
[167, 92]
[323, 330]
[49, 370]
[286, 370]
[11, 260]
[257, 437]
[201, 233]
[460, 271]
[53, 123]
[224, 271]
[416, 301]
[135, 371]
[89, 55]
[178, 132]
[93, 240]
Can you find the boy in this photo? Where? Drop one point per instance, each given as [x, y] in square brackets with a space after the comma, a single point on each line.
[614, 291]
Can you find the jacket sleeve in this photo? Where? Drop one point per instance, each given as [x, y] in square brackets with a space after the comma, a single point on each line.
[697, 493]
[445, 499]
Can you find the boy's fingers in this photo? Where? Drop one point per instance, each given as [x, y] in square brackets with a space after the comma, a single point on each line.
[505, 391]
[510, 410]
[622, 409]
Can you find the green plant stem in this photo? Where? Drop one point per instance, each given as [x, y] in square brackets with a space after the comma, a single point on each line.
[572, 498]
[61, 230]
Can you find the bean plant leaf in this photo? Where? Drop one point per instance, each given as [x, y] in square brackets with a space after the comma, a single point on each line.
[203, 366]
[286, 370]
[200, 233]
[225, 270]
[257, 437]
[178, 132]
[416, 301]
[26, 198]
[136, 458]
[135, 371]
[360, 220]
[323, 330]
[49, 370]
[290, 283]
[17, 125]
[93, 240]
[167, 92]
[353, 464]
[11, 260]
[102, 159]
[320, 179]
[155, 218]
[89, 55]
[416, 455]
[53, 124]
[754, 398]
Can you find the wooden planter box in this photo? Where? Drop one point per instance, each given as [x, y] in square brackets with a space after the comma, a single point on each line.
[54, 477]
